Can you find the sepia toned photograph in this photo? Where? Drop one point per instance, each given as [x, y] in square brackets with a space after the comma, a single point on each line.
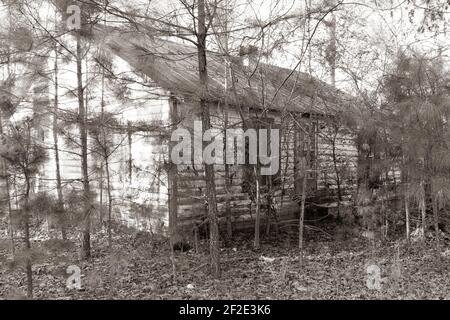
[224, 150]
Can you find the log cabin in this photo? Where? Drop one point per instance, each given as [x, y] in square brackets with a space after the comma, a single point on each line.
[315, 138]
[245, 93]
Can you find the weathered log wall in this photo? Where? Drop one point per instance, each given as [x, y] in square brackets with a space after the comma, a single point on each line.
[191, 184]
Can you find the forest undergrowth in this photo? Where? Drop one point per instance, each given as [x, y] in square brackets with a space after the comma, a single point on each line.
[139, 266]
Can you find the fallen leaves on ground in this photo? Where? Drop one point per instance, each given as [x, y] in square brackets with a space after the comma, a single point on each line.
[328, 270]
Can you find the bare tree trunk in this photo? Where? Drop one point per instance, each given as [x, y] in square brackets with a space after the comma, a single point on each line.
[227, 177]
[336, 171]
[212, 206]
[302, 215]
[86, 245]
[10, 217]
[3, 162]
[102, 110]
[106, 156]
[226, 106]
[26, 209]
[332, 49]
[408, 232]
[101, 197]
[256, 244]
[284, 174]
[206, 122]
[110, 201]
[227, 203]
[4, 175]
[436, 218]
[56, 150]
[269, 206]
[405, 180]
[28, 260]
[305, 166]
[172, 174]
[332, 61]
[423, 208]
[130, 154]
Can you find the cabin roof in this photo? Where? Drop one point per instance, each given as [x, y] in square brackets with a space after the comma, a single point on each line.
[174, 67]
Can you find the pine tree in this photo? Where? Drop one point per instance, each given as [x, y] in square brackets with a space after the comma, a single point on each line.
[24, 154]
